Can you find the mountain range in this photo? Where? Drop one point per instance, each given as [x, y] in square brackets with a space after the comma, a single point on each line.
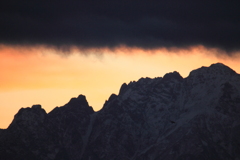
[164, 118]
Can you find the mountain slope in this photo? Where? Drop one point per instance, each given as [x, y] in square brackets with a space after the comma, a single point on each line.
[167, 118]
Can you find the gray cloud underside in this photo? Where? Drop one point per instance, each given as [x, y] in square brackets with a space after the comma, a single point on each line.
[105, 23]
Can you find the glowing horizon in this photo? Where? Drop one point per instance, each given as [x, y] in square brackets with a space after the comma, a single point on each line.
[38, 75]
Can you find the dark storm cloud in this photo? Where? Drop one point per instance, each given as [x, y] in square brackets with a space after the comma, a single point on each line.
[110, 23]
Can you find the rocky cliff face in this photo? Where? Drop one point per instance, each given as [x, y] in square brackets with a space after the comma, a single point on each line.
[167, 118]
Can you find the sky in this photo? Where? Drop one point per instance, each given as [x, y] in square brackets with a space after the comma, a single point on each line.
[51, 51]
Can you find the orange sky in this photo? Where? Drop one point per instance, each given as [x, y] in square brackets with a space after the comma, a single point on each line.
[37, 75]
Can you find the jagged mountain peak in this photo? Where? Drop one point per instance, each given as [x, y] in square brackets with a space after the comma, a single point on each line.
[78, 102]
[217, 69]
[29, 116]
[172, 76]
[34, 110]
[122, 88]
[220, 68]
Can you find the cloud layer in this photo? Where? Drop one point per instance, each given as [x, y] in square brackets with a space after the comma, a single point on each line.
[132, 23]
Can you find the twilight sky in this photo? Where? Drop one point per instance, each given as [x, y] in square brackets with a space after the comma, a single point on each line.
[51, 51]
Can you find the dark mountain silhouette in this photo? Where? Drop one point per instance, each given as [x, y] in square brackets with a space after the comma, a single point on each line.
[169, 118]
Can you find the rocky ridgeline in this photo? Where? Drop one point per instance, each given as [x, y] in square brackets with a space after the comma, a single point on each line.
[165, 118]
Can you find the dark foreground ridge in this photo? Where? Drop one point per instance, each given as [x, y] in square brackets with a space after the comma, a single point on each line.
[169, 118]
